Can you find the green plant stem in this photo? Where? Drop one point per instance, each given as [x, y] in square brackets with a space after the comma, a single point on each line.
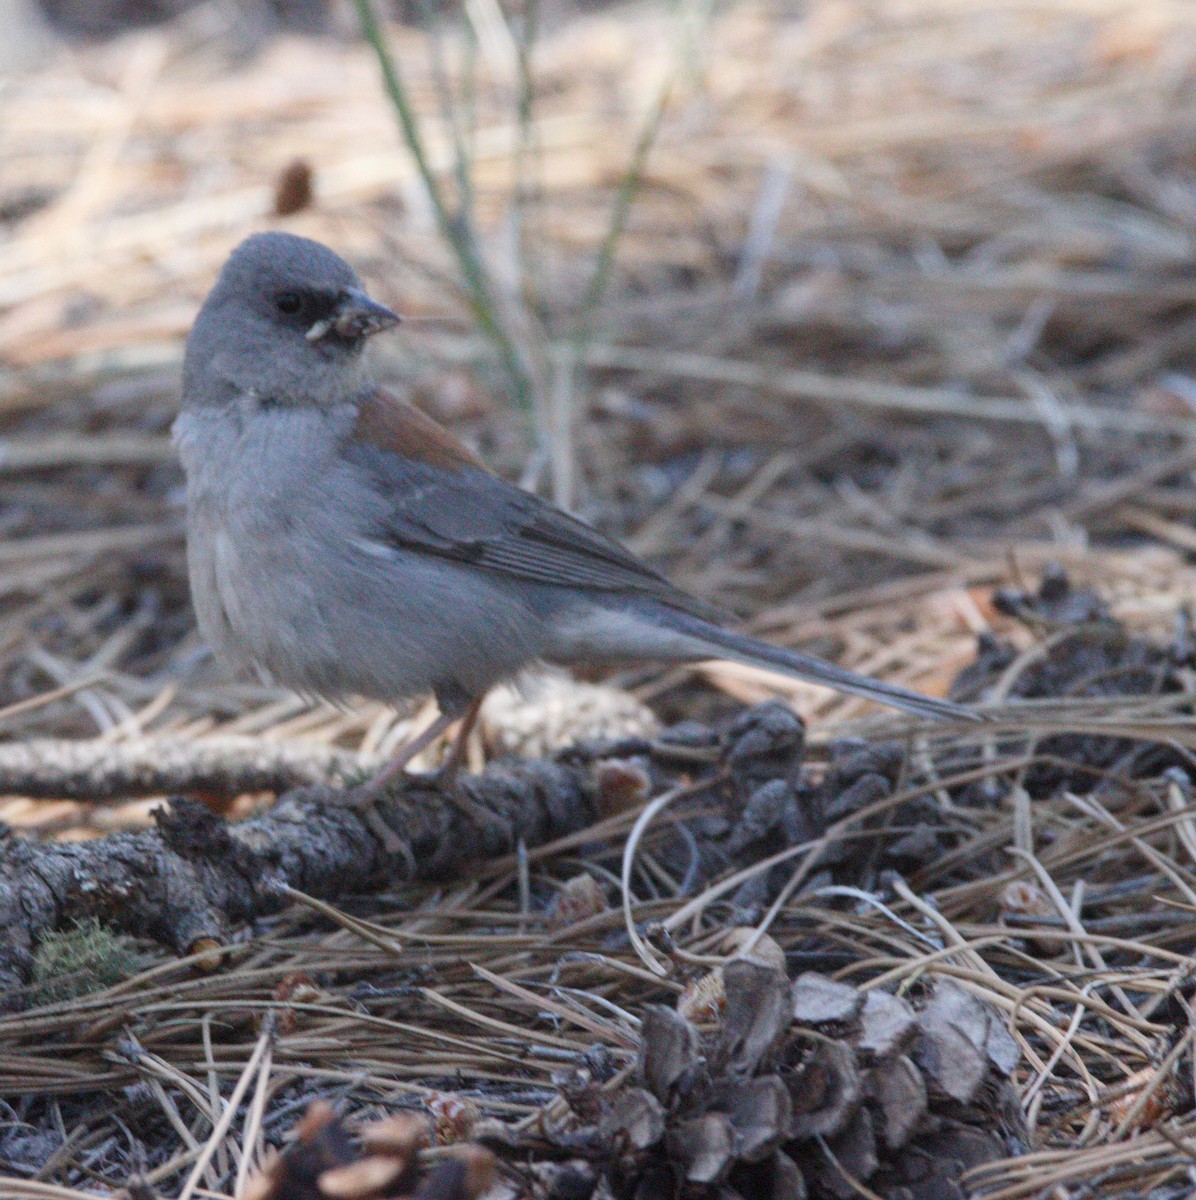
[454, 228]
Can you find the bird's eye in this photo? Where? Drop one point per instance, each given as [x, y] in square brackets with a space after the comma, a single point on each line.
[288, 302]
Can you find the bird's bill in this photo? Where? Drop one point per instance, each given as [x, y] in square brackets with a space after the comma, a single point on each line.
[356, 316]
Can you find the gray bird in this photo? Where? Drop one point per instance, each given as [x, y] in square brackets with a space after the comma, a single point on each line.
[344, 543]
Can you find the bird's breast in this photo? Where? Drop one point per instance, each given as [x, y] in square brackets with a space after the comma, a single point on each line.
[266, 524]
[292, 570]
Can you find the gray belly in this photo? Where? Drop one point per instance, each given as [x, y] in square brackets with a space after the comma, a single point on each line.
[289, 575]
[332, 621]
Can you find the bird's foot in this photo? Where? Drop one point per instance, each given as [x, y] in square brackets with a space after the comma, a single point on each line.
[365, 798]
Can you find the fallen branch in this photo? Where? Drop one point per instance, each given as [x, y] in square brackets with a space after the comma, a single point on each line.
[190, 880]
[223, 766]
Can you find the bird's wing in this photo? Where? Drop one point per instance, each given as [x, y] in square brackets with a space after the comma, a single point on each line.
[443, 501]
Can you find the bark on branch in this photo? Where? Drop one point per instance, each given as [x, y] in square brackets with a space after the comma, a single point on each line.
[194, 877]
[222, 766]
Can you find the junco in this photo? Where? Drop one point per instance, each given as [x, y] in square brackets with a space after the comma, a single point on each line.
[345, 544]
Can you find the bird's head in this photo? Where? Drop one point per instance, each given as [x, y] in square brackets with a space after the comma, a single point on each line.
[287, 321]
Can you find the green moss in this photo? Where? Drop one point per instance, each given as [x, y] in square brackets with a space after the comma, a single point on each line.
[81, 960]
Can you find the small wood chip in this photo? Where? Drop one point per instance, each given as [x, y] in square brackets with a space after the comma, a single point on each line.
[581, 897]
[900, 1094]
[361, 1179]
[635, 1117]
[1157, 1107]
[670, 1050]
[818, 1000]
[704, 1147]
[887, 1025]
[293, 191]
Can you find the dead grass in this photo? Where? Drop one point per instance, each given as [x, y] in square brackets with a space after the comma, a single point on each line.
[904, 308]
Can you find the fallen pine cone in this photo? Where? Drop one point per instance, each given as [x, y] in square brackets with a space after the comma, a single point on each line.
[1155, 1108]
[808, 1088]
[324, 1163]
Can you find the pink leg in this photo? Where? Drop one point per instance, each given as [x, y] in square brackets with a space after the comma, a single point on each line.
[447, 772]
[367, 793]
[366, 796]
[397, 765]
[456, 755]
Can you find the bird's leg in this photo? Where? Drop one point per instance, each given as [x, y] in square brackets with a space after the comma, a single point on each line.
[446, 775]
[367, 793]
[365, 796]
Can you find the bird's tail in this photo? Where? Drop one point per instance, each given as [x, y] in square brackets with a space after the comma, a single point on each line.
[725, 643]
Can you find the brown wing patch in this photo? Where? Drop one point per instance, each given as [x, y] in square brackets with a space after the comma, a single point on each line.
[386, 421]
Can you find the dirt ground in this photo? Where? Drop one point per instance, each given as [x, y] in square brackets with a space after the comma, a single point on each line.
[875, 324]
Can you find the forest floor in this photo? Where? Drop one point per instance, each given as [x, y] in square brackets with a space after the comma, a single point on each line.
[895, 358]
